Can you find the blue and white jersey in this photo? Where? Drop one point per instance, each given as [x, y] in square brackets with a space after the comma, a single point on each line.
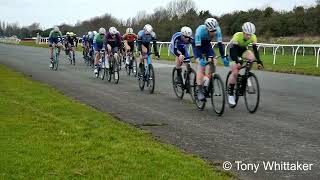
[202, 35]
[146, 38]
[177, 43]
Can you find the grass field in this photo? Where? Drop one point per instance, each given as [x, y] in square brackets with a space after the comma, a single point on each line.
[284, 63]
[45, 135]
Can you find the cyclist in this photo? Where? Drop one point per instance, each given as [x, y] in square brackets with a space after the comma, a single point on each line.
[113, 42]
[129, 37]
[98, 44]
[55, 39]
[202, 45]
[239, 49]
[71, 42]
[90, 38]
[145, 36]
[84, 44]
[179, 46]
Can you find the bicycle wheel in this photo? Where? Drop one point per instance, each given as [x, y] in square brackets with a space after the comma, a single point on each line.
[200, 104]
[177, 84]
[134, 67]
[73, 58]
[192, 78]
[217, 93]
[56, 60]
[141, 80]
[252, 93]
[116, 72]
[103, 71]
[128, 67]
[236, 91]
[151, 79]
[110, 68]
[99, 71]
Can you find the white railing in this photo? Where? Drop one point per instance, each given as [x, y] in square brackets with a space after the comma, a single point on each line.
[11, 40]
[275, 47]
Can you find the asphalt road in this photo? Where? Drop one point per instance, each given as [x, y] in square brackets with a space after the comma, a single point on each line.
[285, 128]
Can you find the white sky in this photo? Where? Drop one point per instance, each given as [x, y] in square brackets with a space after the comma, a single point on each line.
[56, 12]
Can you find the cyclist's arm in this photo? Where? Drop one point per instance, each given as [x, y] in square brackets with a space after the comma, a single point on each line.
[219, 40]
[155, 48]
[256, 52]
[175, 47]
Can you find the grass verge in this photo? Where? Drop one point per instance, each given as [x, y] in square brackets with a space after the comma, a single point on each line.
[45, 135]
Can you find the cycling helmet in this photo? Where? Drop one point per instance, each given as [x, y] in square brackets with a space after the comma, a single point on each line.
[248, 28]
[129, 31]
[102, 31]
[56, 29]
[147, 28]
[94, 32]
[211, 24]
[186, 31]
[113, 30]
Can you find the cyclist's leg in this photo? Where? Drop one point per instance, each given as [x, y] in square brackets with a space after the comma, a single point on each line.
[197, 51]
[51, 50]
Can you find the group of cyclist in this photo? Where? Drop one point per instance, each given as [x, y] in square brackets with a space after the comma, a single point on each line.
[113, 42]
[201, 45]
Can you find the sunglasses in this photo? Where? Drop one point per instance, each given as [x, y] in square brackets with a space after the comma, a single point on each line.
[186, 37]
[213, 30]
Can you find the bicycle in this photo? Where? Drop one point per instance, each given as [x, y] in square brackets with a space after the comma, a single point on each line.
[187, 83]
[102, 70]
[113, 69]
[71, 56]
[55, 61]
[245, 86]
[213, 89]
[132, 66]
[146, 74]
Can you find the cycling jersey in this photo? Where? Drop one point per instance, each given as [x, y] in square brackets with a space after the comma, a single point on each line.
[178, 44]
[71, 40]
[145, 39]
[202, 42]
[113, 41]
[130, 37]
[202, 35]
[239, 38]
[55, 37]
[84, 40]
[239, 46]
[98, 42]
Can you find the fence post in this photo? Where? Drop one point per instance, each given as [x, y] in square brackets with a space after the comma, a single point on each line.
[318, 54]
[295, 56]
[274, 54]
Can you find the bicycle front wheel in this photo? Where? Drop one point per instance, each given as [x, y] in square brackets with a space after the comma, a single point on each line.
[217, 94]
[252, 93]
[116, 72]
[191, 83]
[151, 79]
[177, 84]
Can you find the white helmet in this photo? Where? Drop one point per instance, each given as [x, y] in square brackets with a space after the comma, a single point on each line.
[90, 33]
[94, 32]
[248, 28]
[186, 31]
[147, 28]
[129, 31]
[113, 30]
[211, 24]
[56, 29]
[102, 31]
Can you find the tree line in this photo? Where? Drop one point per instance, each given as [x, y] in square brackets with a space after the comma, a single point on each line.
[300, 21]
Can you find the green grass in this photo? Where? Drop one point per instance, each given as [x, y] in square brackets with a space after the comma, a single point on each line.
[284, 63]
[45, 135]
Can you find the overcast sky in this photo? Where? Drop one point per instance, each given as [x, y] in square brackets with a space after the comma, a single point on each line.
[56, 12]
